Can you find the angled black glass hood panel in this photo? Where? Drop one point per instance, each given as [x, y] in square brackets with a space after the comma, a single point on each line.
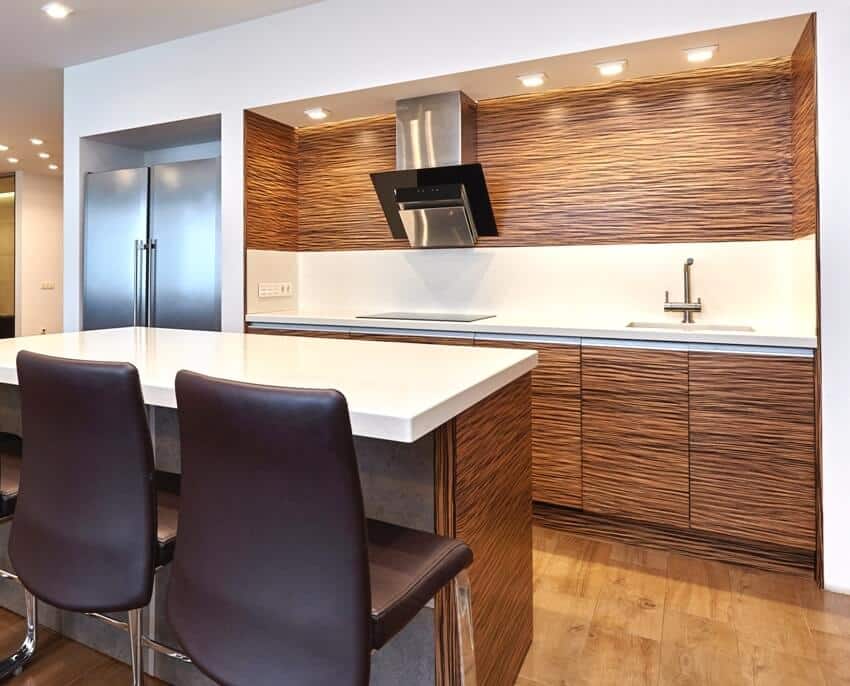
[471, 176]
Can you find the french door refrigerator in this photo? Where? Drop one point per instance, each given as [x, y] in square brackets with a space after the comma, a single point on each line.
[151, 247]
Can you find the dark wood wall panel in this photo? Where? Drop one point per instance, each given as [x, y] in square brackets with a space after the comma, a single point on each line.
[698, 156]
[271, 184]
[338, 208]
[493, 514]
[753, 447]
[635, 434]
[556, 421]
[705, 155]
[404, 338]
[804, 133]
[298, 332]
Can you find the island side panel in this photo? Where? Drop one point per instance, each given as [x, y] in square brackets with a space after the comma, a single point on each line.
[483, 483]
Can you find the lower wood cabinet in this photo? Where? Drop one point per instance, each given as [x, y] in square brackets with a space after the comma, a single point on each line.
[309, 333]
[752, 440]
[634, 418]
[405, 338]
[555, 419]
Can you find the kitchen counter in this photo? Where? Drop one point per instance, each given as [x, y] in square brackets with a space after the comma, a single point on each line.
[394, 392]
[443, 444]
[543, 325]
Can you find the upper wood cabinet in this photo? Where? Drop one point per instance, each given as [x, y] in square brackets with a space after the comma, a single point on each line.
[635, 433]
[753, 447]
[555, 419]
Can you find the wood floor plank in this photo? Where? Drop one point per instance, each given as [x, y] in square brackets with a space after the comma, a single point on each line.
[777, 668]
[615, 659]
[699, 587]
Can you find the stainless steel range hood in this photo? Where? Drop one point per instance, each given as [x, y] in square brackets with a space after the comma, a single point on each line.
[438, 197]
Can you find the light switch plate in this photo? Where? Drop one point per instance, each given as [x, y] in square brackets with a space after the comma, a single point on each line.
[274, 289]
[48, 285]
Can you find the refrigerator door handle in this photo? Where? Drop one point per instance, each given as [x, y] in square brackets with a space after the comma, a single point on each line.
[151, 282]
[137, 275]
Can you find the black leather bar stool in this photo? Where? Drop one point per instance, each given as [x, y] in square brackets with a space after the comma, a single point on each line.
[293, 586]
[84, 534]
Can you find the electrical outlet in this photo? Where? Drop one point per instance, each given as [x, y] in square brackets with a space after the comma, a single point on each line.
[274, 289]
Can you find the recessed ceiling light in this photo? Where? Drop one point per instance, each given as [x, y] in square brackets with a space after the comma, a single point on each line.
[3, 148]
[44, 155]
[611, 68]
[317, 113]
[702, 54]
[36, 141]
[56, 10]
[53, 167]
[532, 80]
[12, 160]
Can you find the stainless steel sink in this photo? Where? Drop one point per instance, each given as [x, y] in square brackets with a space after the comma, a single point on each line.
[680, 326]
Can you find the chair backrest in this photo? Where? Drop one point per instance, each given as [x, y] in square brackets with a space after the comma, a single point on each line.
[83, 534]
[270, 581]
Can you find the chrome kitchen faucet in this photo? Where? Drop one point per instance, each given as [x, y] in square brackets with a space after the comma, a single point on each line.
[687, 308]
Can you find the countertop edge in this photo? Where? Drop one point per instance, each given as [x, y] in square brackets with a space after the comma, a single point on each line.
[483, 328]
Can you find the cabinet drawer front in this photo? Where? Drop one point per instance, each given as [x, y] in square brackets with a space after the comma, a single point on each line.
[635, 434]
[404, 338]
[309, 333]
[753, 448]
[556, 420]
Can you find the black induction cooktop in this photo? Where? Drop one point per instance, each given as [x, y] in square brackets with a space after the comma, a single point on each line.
[428, 316]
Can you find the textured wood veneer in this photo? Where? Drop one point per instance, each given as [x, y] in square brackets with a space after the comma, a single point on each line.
[698, 156]
[271, 185]
[338, 208]
[635, 434]
[804, 134]
[405, 338]
[556, 421]
[753, 448]
[704, 155]
[309, 333]
[493, 514]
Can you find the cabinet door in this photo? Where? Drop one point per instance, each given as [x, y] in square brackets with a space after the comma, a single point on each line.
[405, 338]
[556, 421]
[753, 447]
[634, 417]
[309, 333]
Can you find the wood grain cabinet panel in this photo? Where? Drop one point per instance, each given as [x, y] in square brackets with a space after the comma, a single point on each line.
[634, 420]
[404, 338]
[300, 332]
[753, 448]
[556, 421]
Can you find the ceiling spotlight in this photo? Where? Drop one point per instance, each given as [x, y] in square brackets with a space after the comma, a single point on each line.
[317, 113]
[12, 160]
[36, 141]
[44, 155]
[532, 80]
[612, 68]
[3, 148]
[56, 10]
[53, 167]
[702, 54]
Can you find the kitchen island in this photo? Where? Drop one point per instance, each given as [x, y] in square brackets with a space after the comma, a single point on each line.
[443, 439]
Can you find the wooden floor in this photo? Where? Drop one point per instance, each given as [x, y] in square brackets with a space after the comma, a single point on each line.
[60, 662]
[615, 614]
[612, 614]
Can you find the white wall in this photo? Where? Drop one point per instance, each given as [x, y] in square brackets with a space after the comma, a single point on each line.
[338, 45]
[744, 283]
[38, 254]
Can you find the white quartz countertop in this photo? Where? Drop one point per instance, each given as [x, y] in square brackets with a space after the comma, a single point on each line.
[544, 324]
[395, 391]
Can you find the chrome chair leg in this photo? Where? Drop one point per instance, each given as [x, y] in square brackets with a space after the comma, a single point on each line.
[134, 626]
[463, 607]
[15, 663]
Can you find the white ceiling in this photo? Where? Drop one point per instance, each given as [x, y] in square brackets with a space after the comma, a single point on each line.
[34, 49]
[743, 43]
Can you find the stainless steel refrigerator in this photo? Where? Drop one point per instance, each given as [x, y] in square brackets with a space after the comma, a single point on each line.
[151, 247]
